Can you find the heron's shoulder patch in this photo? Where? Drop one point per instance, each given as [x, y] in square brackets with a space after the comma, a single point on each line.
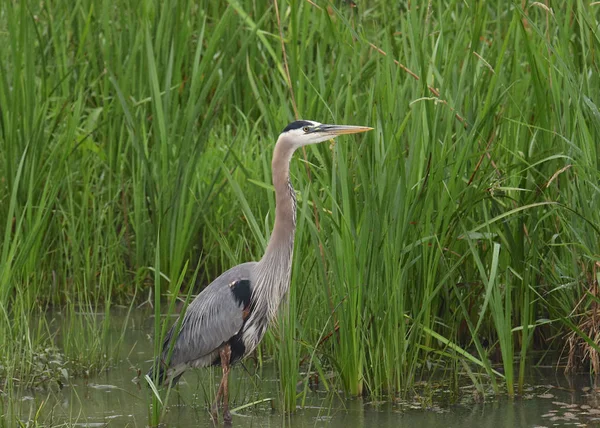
[242, 291]
[296, 125]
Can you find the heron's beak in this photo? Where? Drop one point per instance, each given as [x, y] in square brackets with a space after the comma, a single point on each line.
[335, 130]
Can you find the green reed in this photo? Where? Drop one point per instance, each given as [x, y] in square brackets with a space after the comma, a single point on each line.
[455, 236]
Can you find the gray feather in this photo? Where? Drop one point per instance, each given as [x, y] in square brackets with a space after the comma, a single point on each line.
[212, 318]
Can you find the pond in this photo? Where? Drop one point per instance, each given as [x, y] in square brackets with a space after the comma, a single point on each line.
[115, 399]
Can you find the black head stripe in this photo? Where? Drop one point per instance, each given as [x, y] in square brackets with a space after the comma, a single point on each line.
[296, 125]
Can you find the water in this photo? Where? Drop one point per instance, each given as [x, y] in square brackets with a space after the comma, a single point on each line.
[114, 399]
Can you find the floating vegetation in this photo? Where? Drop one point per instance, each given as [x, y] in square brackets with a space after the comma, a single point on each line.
[48, 368]
[576, 414]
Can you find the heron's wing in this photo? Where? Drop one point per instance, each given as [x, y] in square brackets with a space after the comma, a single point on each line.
[214, 316]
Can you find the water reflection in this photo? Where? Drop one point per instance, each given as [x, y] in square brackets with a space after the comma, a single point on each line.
[113, 399]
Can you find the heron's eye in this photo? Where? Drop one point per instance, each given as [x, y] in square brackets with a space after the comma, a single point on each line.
[306, 129]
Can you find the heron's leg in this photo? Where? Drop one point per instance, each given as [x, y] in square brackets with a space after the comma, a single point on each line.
[214, 411]
[225, 359]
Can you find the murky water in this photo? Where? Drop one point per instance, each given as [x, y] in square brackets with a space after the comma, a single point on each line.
[113, 399]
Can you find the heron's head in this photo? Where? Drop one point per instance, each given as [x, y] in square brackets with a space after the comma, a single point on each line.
[303, 132]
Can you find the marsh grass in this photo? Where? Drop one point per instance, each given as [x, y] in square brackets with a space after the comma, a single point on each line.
[461, 234]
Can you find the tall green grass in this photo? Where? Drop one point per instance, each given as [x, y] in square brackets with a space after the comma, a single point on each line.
[463, 230]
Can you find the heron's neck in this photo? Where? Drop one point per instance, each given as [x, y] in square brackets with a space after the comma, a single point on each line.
[274, 269]
[285, 201]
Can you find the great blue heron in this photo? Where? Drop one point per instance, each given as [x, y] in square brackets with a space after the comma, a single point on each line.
[228, 319]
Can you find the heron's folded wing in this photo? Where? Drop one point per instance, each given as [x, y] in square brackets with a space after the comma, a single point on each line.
[213, 317]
